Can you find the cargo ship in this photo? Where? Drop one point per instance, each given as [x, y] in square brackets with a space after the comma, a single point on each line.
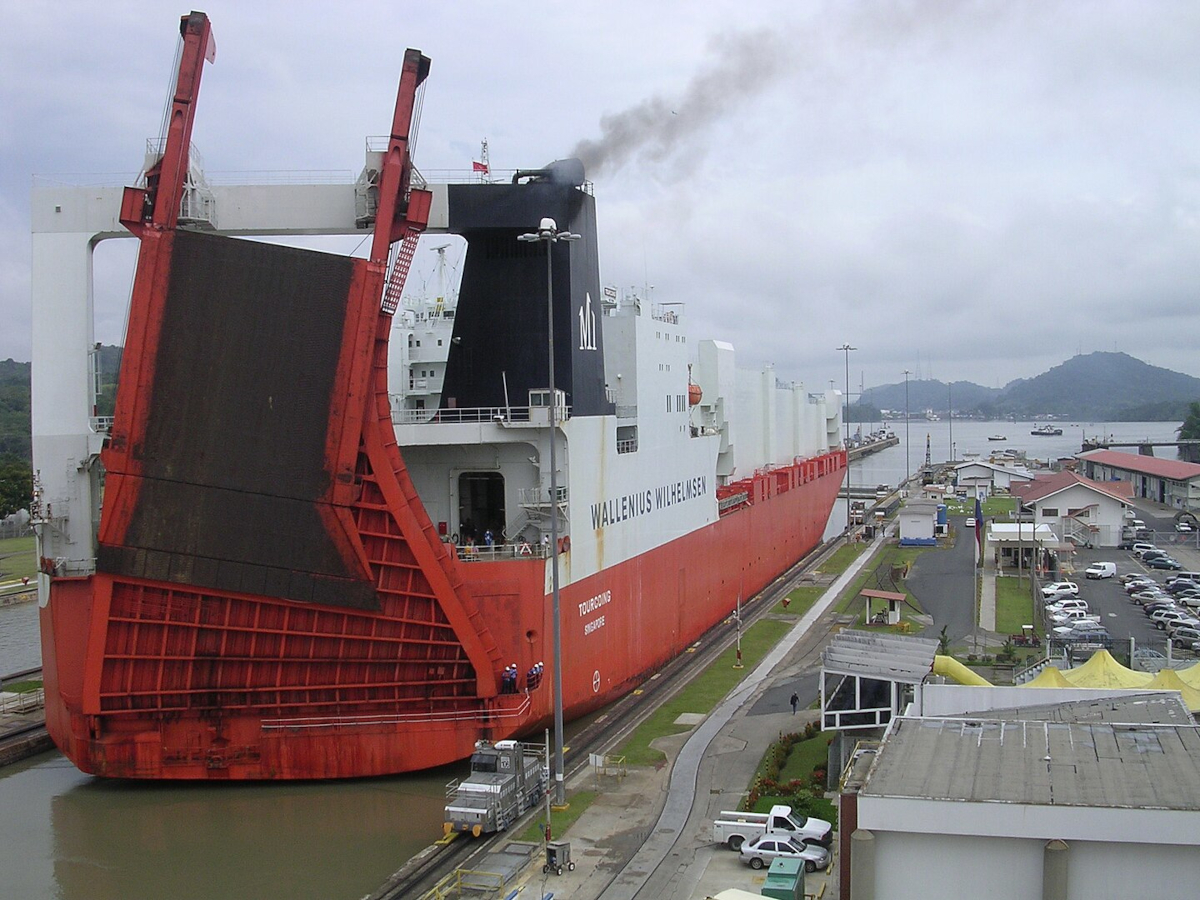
[331, 518]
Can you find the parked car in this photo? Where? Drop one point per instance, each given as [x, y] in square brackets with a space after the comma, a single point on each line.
[1185, 636]
[1179, 585]
[1066, 601]
[1184, 527]
[1140, 547]
[1060, 587]
[1133, 582]
[1101, 570]
[1189, 602]
[1149, 594]
[1133, 576]
[1148, 555]
[1170, 624]
[762, 850]
[1163, 616]
[1070, 616]
[1126, 544]
[1187, 576]
[1165, 606]
[970, 523]
[1164, 562]
[1136, 587]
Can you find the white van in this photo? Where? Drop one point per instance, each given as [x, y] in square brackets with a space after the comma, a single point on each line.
[1101, 570]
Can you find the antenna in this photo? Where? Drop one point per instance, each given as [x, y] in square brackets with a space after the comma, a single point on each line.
[485, 158]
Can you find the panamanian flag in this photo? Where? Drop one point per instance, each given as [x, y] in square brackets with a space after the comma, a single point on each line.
[978, 530]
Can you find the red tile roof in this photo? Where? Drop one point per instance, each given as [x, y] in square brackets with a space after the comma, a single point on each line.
[1052, 484]
[1171, 469]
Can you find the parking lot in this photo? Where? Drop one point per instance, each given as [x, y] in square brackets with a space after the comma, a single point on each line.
[1107, 598]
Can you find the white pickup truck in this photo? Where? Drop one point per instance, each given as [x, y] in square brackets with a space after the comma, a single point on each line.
[736, 828]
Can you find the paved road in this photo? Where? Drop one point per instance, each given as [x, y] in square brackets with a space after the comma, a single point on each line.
[944, 583]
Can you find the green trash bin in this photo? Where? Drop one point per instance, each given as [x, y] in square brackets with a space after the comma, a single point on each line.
[785, 880]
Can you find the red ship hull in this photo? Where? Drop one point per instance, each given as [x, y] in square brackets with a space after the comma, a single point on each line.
[657, 605]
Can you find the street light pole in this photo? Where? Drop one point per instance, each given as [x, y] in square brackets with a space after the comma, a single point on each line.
[907, 464]
[846, 348]
[549, 233]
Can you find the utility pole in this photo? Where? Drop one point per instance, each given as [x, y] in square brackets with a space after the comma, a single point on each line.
[846, 348]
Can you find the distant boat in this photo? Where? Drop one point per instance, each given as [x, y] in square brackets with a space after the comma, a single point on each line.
[1046, 431]
[997, 437]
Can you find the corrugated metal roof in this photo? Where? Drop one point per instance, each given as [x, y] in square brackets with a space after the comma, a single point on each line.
[1040, 763]
[1172, 469]
[888, 657]
[1141, 709]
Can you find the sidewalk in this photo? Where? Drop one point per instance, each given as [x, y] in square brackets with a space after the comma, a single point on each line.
[648, 835]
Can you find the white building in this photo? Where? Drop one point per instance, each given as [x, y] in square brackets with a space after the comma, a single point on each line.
[982, 479]
[1168, 481]
[918, 523]
[1061, 801]
[1085, 512]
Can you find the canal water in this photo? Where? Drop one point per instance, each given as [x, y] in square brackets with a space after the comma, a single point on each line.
[67, 836]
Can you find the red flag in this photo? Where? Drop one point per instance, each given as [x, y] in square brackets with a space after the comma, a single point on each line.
[479, 167]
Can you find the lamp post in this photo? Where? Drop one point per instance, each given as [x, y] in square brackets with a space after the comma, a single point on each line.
[549, 233]
[907, 464]
[846, 348]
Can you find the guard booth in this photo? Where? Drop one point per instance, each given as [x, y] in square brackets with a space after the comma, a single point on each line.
[868, 677]
[883, 607]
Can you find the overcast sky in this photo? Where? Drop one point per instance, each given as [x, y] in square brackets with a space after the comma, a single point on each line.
[970, 191]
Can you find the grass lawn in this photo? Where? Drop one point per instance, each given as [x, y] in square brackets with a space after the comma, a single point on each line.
[841, 559]
[806, 756]
[800, 600]
[890, 557]
[1014, 606]
[803, 758]
[18, 558]
[704, 693]
[998, 505]
[577, 805]
[22, 687]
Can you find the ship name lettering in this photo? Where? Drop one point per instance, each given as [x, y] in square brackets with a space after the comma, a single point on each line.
[638, 503]
[590, 606]
[593, 625]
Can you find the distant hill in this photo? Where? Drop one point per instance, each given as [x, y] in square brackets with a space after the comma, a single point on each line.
[1096, 386]
[15, 419]
[15, 427]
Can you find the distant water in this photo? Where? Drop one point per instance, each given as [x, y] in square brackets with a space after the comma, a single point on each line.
[20, 645]
[888, 466]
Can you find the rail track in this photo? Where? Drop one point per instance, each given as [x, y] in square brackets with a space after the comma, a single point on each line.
[424, 872]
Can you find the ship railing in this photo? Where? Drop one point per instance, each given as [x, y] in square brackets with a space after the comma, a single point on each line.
[536, 496]
[496, 552]
[101, 424]
[427, 717]
[26, 701]
[472, 415]
[628, 445]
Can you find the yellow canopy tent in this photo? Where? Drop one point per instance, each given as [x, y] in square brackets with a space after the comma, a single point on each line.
[1169, 680]
[1190, 675]
[1051, 676]
[1102, 671]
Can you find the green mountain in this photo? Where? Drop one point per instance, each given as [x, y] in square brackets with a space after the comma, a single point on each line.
[14, 410]
[1095, 386]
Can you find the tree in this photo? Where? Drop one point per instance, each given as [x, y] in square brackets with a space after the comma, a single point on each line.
[1190, 431]
[16, 485]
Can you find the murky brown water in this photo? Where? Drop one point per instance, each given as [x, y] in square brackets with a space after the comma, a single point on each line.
[67, 835]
